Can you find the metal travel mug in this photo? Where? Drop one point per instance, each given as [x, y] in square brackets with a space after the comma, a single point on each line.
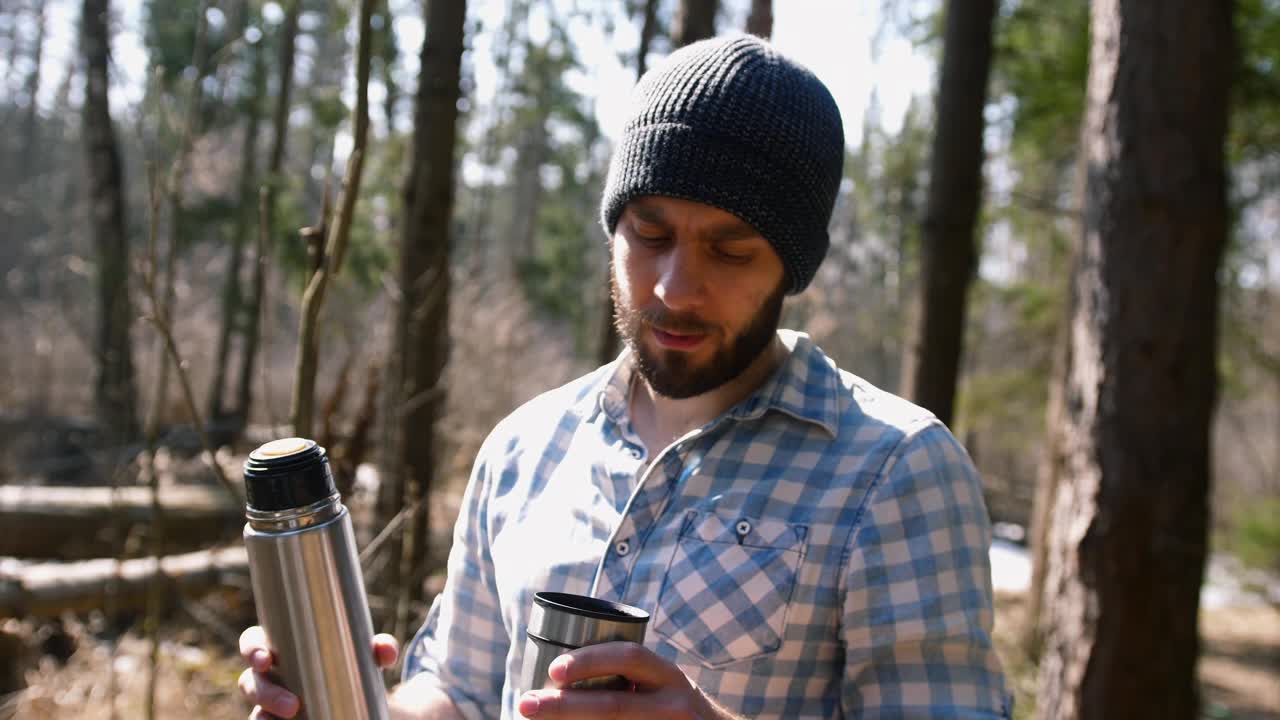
[307, 584]
[561, 622]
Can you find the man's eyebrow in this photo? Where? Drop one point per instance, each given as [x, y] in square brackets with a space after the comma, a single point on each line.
[733, 231]
[727, 231]
[648, 213]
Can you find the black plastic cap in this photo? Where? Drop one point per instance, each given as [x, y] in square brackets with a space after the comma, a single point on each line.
[286, 474]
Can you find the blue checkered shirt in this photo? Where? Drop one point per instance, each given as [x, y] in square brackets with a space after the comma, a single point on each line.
[820, 550]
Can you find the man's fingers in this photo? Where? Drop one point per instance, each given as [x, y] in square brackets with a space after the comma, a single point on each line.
[253, 648]
[598, 705]
[273, 699]
[630, 660]
[385, 650]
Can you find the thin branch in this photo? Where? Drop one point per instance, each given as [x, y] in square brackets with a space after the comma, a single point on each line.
[1042, 205]
[339, 230]
[162, 324]
[371, 550]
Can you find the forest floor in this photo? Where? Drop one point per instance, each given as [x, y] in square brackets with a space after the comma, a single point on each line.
[1239, 671]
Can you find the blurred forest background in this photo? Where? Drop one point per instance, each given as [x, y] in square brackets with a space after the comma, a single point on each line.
[302, 217]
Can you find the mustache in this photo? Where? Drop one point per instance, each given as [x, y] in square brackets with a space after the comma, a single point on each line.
[684, 324]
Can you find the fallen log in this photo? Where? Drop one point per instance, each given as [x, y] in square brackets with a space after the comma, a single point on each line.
[73, 523]
[49, 589]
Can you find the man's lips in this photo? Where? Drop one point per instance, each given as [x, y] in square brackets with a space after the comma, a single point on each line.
[677, 341]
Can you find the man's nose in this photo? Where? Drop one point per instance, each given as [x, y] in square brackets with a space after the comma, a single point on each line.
[679, 283]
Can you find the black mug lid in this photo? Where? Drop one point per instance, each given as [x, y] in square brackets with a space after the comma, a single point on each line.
[287, 474]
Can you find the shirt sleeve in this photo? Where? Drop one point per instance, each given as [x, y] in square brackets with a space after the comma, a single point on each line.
[463, 643]
[918, 606]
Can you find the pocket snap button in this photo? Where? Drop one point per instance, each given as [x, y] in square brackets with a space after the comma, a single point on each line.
[743, 527]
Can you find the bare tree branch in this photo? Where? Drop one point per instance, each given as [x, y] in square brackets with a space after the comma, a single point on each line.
[302, 410]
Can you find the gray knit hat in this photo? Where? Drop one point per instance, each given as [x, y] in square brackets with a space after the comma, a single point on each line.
[730, 122]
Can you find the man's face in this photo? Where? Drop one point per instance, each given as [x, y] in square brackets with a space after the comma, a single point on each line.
[697, 292]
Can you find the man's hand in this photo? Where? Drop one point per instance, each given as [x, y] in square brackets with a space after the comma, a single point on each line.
[661, 689]
[271, 700]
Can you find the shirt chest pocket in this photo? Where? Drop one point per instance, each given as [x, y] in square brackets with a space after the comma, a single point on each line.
[725, 595]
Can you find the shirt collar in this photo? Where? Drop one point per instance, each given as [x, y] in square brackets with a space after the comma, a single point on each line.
[805, 386]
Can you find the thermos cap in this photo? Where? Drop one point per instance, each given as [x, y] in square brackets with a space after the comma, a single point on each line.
[287, 474]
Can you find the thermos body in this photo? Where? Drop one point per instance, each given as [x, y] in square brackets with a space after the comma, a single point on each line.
[311, 603]
[309, 592]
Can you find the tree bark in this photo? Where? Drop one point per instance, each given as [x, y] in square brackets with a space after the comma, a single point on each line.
[760, 20]
[422, 333]
[1130, 518]
[115, 399]
[949, 254]
[279, 135]
[695, 20]
[609, 339]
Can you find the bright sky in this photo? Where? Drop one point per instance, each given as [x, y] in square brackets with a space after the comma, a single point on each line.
[832, 37]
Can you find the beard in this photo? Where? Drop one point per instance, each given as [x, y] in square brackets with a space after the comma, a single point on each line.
[672, 373]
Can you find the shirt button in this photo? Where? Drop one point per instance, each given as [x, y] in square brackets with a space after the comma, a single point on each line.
[743, 527]
[622, 548]
[635, 453]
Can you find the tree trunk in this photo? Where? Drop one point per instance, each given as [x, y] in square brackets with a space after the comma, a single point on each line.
[232, 295]
[1051, 462]
[114, 396]
[422, 332]
[931, 362]
[31, 126]
[609, 339]
[695, 20]
[388, 52]
[1048, 475]
[760, 21]
[47, 590]
[325, 78]
[279, 134]
[1130, 518]
[71, 523]
[175, 185]
[531, 152]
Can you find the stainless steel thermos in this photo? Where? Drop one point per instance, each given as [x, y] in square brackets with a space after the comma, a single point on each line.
[307, 584]
[560, 622]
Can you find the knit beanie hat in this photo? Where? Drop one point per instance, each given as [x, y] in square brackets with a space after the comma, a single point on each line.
[729, 122]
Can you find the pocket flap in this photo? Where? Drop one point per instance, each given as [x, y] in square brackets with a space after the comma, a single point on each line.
[751, 532]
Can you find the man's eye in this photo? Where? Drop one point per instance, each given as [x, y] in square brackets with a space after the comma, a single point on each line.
[732, 257]
[651, 240]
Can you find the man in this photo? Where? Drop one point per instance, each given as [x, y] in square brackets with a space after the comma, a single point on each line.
[807, 545]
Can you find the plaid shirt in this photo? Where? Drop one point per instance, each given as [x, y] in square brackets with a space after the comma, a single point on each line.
[820, 550]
